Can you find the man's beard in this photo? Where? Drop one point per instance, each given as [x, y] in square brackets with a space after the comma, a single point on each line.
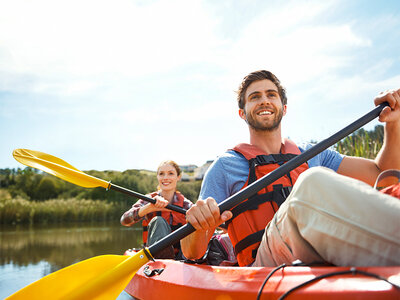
[258, 126]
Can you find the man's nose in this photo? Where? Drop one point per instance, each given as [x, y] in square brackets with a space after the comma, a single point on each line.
[264, 99]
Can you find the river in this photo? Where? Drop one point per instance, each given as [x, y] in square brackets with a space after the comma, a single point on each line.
[28, 253]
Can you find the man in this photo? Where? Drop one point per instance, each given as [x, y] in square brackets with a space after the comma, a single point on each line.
[327, 218]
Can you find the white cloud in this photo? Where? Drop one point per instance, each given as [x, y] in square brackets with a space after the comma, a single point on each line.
[119, 75]
[288, 41]
[70, 41]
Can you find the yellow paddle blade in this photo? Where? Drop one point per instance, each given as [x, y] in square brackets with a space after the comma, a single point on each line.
[57, 167]
[100, 277]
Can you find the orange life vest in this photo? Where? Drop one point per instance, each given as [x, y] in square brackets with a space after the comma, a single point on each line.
[250, 217]
[174, 219]
[394, 189]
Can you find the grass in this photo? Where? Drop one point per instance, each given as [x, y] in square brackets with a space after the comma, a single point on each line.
[22, 211]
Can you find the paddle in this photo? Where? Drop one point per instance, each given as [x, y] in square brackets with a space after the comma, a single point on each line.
[104, 277]
[59, 168]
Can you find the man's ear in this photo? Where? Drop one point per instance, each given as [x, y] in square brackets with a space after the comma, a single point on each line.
[242, 114]
[284, 109]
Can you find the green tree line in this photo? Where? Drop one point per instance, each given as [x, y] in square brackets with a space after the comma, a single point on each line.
[31, 196]
[31, 184]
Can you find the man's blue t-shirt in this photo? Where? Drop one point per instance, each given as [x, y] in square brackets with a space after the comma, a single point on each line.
[229, 172]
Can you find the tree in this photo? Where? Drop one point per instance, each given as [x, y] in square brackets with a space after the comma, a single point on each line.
[46, 189]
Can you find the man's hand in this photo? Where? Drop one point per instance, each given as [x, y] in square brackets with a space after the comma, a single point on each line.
[391, 113]
[204, 215]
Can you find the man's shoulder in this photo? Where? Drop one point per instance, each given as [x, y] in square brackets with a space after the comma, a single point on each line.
[226, 175]
[230, 165]
[229, 159]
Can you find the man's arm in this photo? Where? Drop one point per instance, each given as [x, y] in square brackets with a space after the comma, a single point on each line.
[388, 157]
[205, 217]
[204, 214]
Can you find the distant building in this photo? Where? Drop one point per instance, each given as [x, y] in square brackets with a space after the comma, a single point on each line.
[200, 171]
[188, 168]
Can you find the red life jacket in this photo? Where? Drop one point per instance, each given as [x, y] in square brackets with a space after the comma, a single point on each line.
[174, 219]
[250, 217]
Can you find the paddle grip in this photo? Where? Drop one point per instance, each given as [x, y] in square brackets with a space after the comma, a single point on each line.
[145, 198]
[268, 179]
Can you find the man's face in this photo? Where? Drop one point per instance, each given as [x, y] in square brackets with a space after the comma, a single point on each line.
[263, 109]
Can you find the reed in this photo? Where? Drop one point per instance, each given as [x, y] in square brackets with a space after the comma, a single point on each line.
[22, 211]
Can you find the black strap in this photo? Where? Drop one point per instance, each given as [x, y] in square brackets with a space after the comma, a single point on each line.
[254, 253]
[279, 159]
[248, 241]
[278, 195]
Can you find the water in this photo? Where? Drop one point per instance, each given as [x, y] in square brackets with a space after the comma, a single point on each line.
[29, 253]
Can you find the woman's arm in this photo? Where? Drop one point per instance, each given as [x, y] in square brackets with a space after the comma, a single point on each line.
[140, 209]
[131, 216]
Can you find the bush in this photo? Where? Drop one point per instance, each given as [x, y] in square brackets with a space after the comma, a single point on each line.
[19, 210]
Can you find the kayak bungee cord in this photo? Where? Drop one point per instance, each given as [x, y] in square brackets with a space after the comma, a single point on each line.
[267, 278]
[352, 270]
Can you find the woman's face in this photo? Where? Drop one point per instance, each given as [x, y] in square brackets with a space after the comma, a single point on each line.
[167, 177]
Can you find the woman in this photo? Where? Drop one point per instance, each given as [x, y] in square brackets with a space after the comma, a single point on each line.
[158, 221]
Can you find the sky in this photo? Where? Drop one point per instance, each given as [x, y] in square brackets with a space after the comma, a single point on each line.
[126, 84]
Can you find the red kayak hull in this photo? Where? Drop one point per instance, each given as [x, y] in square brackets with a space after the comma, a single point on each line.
[180, 280]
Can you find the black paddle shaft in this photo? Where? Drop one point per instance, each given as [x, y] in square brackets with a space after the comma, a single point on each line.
[268, 179]
[145, 198]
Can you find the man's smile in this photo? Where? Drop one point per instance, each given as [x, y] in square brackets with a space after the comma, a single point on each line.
[264, 112]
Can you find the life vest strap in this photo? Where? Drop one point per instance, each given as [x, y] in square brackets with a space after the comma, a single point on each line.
[281, 158]
[278, 195]
[248, 241]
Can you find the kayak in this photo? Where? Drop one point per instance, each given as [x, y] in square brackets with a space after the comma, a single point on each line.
[171, 279]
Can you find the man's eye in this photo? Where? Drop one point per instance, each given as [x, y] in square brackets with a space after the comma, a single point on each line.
[272, 95]
[254, 97]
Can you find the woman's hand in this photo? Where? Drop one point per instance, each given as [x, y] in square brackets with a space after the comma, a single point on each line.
[160, 205]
